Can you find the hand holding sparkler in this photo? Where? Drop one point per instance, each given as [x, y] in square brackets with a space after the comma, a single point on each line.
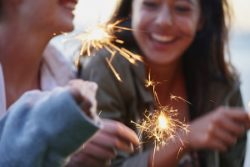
[112, 137]
[84, 93]
[217, 130]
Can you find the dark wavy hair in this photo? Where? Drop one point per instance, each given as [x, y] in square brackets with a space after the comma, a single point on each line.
[205, 59]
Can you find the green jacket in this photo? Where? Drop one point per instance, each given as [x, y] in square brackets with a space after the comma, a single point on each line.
[127, 100]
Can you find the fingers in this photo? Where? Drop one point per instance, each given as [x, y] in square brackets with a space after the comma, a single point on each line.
[218, 130]
[122, 131]
[218, 146]
[237, 114]
[85, 94]
[80, 158]
[226, 126]
[224, 138]
[234, 127]
[101, 148]
[239, 118]
[94, 153]
[115, 136]
[98, 151]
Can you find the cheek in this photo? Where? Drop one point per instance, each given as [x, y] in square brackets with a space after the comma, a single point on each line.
[140, 20]
[187, 27]
[139, 28]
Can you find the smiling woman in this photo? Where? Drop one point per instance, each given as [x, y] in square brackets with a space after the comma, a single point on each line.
[182, 43]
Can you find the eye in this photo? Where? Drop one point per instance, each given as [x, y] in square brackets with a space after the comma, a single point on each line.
[150, 4]
[182, 9]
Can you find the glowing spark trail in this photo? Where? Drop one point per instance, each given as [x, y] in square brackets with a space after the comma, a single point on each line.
[102, 36]
[173, 97]
[153, 84]
[161, 124]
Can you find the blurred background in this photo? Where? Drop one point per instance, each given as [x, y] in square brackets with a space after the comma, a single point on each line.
[240, 52]
[91, 12]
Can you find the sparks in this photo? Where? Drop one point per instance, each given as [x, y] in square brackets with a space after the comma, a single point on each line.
[162, 121]
[102, 36]
[176, 98]
[160, 124]
[150, 82]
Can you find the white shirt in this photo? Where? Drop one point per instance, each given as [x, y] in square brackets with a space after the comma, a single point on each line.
[55, 71]
[2, 93]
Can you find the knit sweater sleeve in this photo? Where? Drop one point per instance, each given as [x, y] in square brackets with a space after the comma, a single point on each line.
[42, 129]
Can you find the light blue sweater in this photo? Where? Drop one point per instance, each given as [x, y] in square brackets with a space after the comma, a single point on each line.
[42, 129]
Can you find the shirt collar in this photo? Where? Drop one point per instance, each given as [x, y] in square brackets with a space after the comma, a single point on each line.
[2, 93]
[55, 69]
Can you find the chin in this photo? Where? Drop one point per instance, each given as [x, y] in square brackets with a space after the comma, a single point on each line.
[162, 61]
[67, 27]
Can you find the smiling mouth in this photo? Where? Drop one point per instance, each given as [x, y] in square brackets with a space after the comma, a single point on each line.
[162, 38]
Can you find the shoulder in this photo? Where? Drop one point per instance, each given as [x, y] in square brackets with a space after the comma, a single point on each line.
[226, 92]
[104, 65]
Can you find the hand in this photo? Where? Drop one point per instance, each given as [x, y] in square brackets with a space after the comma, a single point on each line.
[84, 93]
[102, 147]
[218, 130]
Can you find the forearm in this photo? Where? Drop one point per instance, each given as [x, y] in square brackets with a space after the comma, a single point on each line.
[168, 155]
[41, 129]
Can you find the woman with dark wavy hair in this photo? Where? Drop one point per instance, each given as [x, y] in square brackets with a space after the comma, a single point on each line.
[183, 45]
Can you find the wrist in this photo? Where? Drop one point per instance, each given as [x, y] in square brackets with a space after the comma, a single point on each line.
[184, 140]
[81, 101]
[76, 94]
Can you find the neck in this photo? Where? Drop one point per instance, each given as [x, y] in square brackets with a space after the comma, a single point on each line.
[171, 82]
[21, 55]
[170, 79]
[164, 73]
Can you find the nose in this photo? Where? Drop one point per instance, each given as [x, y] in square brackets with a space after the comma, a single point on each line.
[164, 17]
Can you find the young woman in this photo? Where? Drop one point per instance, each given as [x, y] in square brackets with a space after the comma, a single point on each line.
[182, 43]
[26, 27]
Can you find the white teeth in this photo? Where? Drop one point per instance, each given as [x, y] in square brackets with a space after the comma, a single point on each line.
[162, 38]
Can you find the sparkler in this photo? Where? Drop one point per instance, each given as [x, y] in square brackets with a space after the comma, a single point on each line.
[161, 124]
[102, 36]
